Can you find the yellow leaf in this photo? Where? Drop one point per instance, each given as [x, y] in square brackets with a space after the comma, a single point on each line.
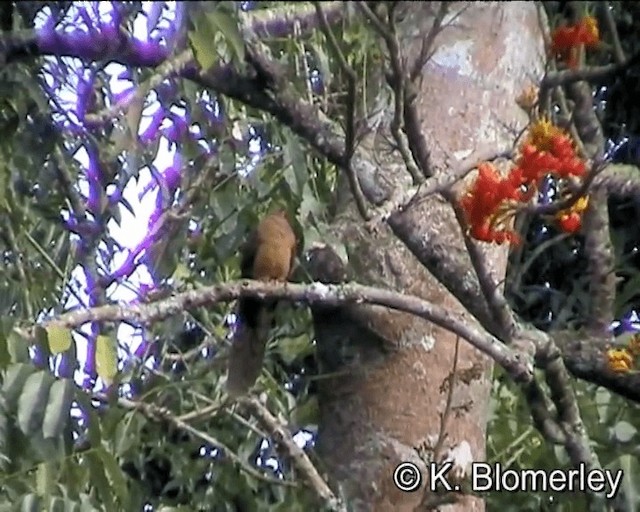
[106, 358]
[59, 339]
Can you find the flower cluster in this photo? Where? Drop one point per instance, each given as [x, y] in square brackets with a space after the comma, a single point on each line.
[492, 200]
[622, 360]
[567, 40]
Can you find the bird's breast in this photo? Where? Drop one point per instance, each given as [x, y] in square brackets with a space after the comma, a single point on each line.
[272, 262]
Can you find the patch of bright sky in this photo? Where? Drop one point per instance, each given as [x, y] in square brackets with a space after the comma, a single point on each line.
[133, 227]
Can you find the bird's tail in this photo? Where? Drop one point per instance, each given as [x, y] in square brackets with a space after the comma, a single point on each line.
[247, 352]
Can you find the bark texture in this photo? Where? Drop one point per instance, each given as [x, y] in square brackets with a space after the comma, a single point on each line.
[394, 370]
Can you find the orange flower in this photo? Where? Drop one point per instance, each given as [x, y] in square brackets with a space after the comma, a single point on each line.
[566, 40]
[619, 360]
[589, 32]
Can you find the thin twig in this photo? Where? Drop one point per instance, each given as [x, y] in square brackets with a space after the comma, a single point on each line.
[571, 199]
[397, 80]
[428, 40]
[171, 66]
[282, 437]
[444, 417]
[350, 121]
[618, 52]
[153, 412]
[590, 74]
[498, 304]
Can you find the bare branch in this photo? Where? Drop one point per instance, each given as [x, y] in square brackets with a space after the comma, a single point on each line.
[281, 435]
[428, 40]
[591, 74]
[397, 80]
[618, 52]
[576, 439]
[619, 179]
[448, 178]
[601, 262]
[504, 315]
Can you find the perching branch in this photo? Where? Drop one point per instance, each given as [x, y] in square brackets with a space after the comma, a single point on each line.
[330, 295]
[305, 120]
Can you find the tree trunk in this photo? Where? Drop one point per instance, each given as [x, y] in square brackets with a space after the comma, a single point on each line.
[394, 370]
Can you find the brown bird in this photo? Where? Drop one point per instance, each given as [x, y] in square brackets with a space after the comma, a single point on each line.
[267, 255]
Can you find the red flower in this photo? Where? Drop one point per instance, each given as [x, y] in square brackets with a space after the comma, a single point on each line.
[485, 205]
[570, 223]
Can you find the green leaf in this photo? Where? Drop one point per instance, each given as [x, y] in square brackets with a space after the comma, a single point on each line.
[118, 481]
[59, 338]
[93, 421]
[624, 432]
[292, 348]
[100, 481]
[14, 380]
[18, 348]
[58, 409]
[106, 358]
[295, 173]
[202, 40]
[228, 27]
[33, 401]
[310, 204]
[307, 413]
[3, 431]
